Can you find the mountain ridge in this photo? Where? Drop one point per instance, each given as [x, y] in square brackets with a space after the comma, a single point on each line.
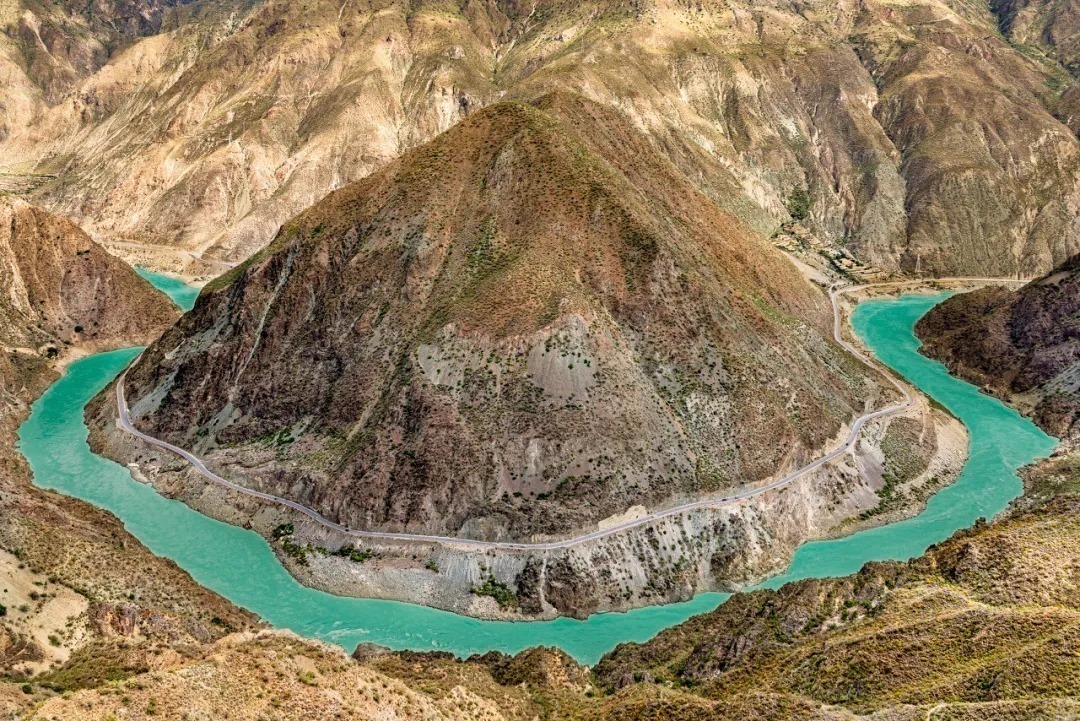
[841, 103]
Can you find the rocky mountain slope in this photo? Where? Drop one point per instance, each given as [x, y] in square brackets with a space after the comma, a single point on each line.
[1023, 345]
[948, 630]
[916, 133]
[983, 626]
[74, 581]
[445, 346]
[61, 290]
[49, 49]
[532, 327]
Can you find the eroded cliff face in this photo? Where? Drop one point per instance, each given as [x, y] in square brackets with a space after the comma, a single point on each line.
[48, 50]
[915, 133]
[896, 466]
[1049, 27]
[1023, 345]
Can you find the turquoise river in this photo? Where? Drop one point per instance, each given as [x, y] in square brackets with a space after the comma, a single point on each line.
[240, 565]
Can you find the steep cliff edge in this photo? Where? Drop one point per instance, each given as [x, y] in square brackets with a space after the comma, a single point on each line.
[1023, 345]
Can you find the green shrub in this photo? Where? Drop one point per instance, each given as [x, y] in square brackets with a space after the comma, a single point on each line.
[799, 204]
[353, 554]
[497, 590]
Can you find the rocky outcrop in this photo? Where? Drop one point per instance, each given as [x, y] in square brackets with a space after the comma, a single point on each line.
[61, 290]
[1022, 345]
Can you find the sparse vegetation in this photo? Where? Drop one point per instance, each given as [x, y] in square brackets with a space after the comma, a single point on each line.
[354, 554]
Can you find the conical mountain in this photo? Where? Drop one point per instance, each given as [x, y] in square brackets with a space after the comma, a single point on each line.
[525, 326]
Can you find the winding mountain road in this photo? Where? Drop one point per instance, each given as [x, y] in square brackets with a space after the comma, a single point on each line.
[908, 400]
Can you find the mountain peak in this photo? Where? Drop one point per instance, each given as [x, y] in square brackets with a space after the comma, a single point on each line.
[458, 334]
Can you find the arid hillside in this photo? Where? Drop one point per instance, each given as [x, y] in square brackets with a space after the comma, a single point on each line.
[74, 581]
[918, 134]
[60, 289]
[530, 324]
[1022, 345]
[983, 626]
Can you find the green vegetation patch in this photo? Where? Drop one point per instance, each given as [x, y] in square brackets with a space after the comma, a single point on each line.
[354, 554]
[92, 666]
[798, 204]
[505, 597]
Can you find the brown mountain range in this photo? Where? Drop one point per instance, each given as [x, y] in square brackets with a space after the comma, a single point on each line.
[922, 136]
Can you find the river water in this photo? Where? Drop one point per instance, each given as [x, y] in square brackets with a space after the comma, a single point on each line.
[182, 294]
[240, 565]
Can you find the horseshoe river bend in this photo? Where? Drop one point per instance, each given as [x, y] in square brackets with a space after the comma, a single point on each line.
[240, 565]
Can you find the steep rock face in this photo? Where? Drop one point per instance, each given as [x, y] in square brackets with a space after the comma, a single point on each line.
[524, 327]
[1052, 29]
[58, 286]
[1068, 108]
[1024, 345]
[245, 115]
[914, 132]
